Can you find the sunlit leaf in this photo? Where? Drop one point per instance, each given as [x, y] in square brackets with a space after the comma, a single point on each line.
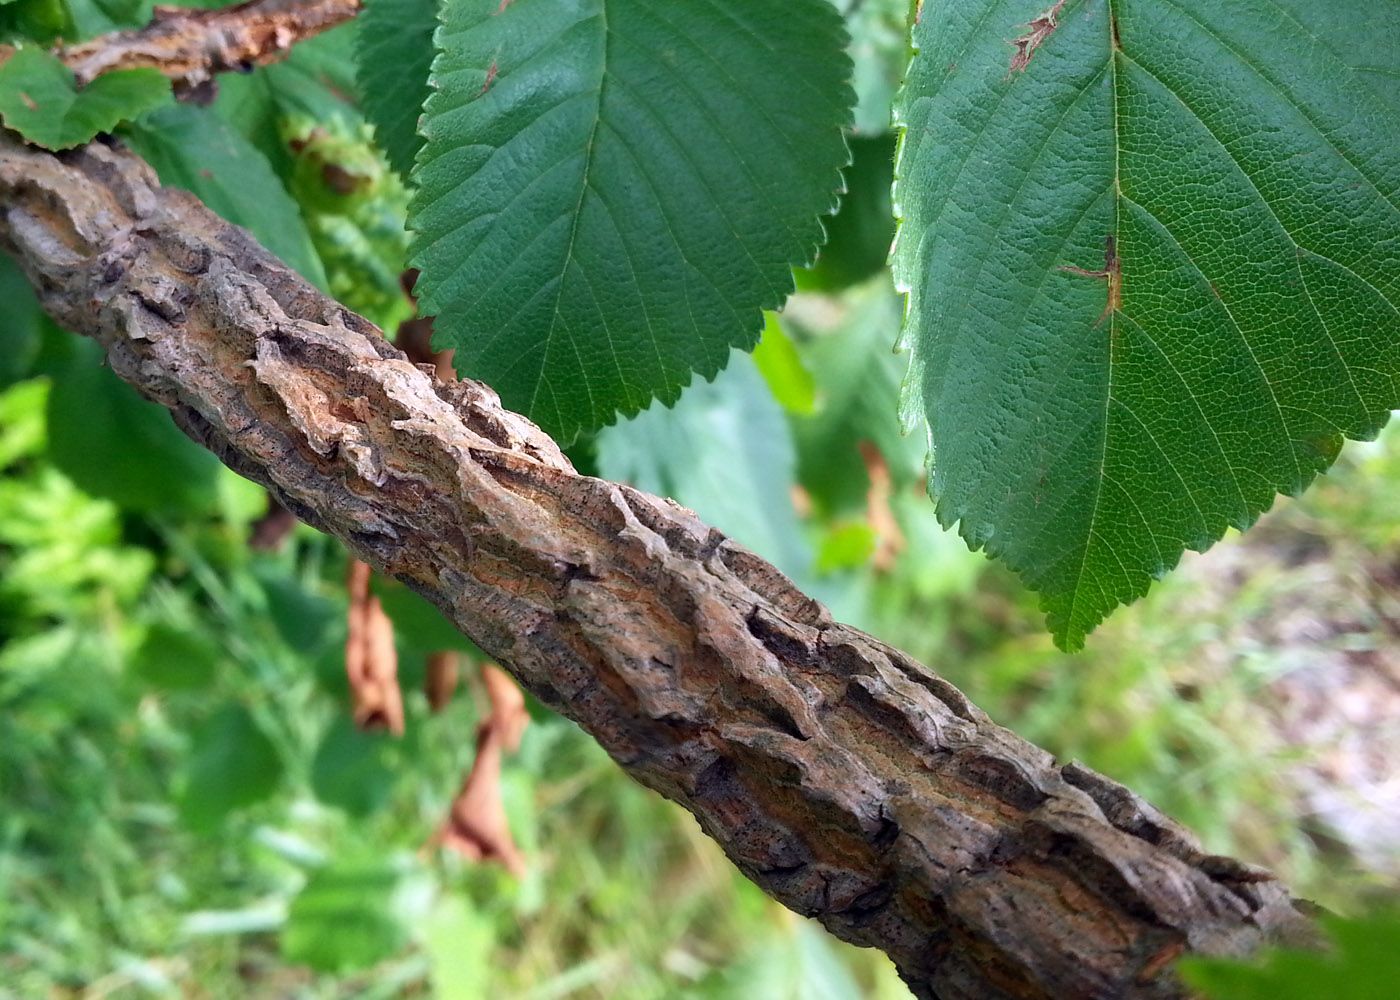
[781, 367]
[40, 100]
[1153, 252]
[612, 190]
[1365, 965]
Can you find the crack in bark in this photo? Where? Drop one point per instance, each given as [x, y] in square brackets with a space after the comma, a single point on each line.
[843, 777]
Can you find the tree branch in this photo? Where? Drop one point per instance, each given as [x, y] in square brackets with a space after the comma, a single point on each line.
[844, 778]
[191, 45]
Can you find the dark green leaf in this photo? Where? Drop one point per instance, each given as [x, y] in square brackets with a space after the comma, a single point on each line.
[1245, 160]
[302, 618]
[114, 444]
[20, 324]
[612, 190]
[95, 17]
[263, 104]
[195, 150]
[349, 770]
[343, 919]
[326, 61]
[232, 765]
[393, 54]
[858, 237]
[176, 659]
[39, 99]
[724, 451]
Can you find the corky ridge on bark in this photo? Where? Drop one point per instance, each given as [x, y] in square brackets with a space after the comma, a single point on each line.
[844, 778]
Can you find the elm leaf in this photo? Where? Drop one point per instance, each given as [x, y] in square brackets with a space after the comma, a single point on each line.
[1153, 251]
[612, 190]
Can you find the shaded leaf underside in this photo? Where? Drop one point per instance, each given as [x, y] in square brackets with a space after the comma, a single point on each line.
[612, 190]
[1245, 159]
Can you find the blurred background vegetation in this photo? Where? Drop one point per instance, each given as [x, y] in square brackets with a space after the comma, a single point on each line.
[187, 810]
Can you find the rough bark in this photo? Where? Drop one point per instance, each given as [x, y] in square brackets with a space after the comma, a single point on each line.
[847, 780]
[192, 45]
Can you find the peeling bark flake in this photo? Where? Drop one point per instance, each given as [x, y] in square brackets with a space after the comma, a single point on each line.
[1041, 28]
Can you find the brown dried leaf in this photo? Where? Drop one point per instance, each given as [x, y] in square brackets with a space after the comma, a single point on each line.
[889, 539]
[476, 826]
[1040, 27]
[441, 678]
[371, 661]
[508, 712]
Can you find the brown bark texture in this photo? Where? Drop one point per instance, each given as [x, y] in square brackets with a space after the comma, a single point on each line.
[847, 780]
[192, 45]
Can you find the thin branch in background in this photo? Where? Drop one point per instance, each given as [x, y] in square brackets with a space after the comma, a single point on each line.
[192, 45]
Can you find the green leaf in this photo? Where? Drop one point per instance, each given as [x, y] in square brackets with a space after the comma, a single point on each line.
[303, 619]
[40, 100]
[232, 765]
[1245, 160]
[858, 378]
[349, 770]
[261, 104]
[880, 52]
[1365, 965]
[95, 17]
[176, 659]
[343, 919]
[858, 237]
[781, 366]
[116, 445]
[725, 452]
[612, 190]
[393, 54]
[21, 324]
[195, 150]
